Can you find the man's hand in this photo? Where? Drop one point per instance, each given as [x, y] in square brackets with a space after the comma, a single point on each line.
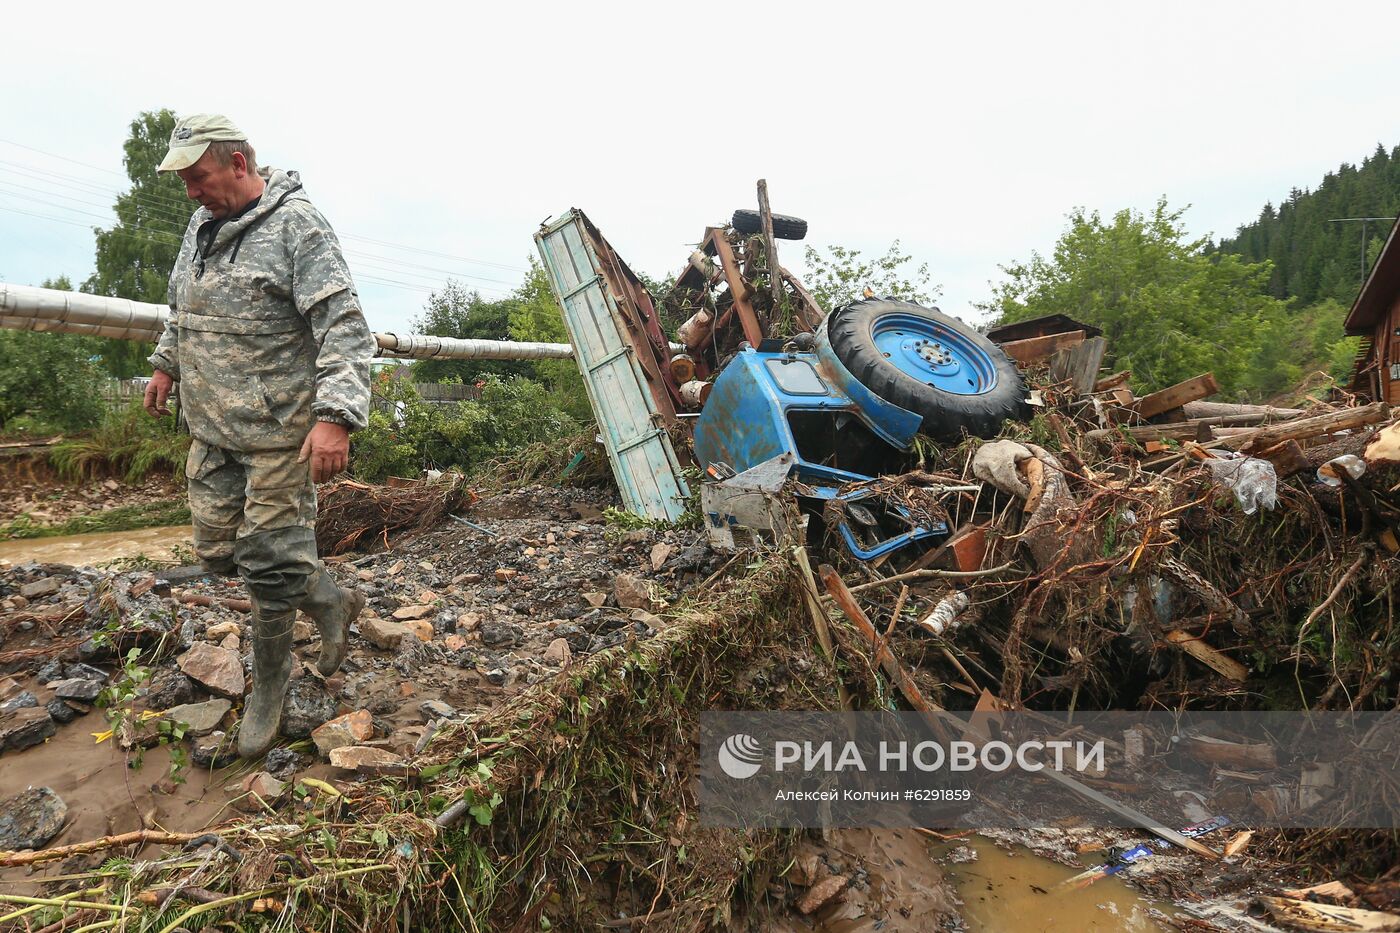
[157, 391]
[328, 448]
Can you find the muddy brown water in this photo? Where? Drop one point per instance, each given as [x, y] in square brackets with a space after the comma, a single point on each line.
[1017, 891]
[100, 547]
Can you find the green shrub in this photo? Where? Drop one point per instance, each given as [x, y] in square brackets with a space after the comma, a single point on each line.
[407, 435]
[128, 443]
[48, 383]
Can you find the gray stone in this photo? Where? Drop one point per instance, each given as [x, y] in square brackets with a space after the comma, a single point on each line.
[23, 700]
[496, 634]
[496, 677]
[29, 819]
[436, 709]
[283, 763]
[214, 750]
[169, 687]
[84, 671]
[61, 712]
[307, 706]
[75, 689]
[40, 588]
[51, 671]
[200, 718]
[25, 727]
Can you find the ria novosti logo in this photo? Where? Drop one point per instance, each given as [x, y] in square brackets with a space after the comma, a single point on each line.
[740, 756]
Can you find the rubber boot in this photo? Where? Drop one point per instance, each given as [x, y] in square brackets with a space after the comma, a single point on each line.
[332, 608]
[272, 671]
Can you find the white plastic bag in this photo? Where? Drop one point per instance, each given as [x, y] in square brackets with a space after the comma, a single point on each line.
[1253, 481]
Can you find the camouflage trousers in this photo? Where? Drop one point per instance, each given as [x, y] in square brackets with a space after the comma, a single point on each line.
[254, 516]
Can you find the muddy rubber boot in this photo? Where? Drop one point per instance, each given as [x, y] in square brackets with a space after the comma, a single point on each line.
[332, 608]
[272, 671]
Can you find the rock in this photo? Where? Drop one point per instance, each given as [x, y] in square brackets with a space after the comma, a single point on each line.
[350, 729]
[558, 653]
[383, 633]
[61, 712]
[48, 673]
[632, 592]
[221, 630]
[200, 718]
[40, 588]
[416, 611]
[660, 553]
[83, 671]
[395, 569]
[218, 669]
[307, 706]
[506, 574]
[365, 758]
[436, 709]
[76, 689]
[637, 536]
[231, 643]
[302, 632]
[214, 750]
[25, 727]
[283, 763]
[17, 602]
[425, 565]
[23, 700]
[29, 819]
[496, 677]
[496, 634]
[422, 628]
[168, 687]
[466, 579]
[595, 600]
[261, 788]
[821, 893]
[468, 621]
[646, 618]
[9, 687]
[454, 643]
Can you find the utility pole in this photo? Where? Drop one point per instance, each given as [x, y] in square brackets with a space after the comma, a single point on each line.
[1363, 221]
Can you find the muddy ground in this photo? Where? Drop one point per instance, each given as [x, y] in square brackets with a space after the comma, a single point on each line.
[458, 620]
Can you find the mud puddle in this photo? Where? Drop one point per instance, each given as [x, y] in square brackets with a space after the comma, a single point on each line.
[158, 544]
[1017, 891]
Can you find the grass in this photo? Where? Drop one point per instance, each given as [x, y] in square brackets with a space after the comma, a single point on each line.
[125, 518]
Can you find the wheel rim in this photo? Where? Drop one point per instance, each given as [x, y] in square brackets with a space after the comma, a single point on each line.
[934, 354]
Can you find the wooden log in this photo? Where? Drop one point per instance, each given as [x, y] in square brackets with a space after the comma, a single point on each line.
[1033, 349]
[1217, 409]
[1220, 663]
[1164, 400]
[1287, 457]
[1184, 430]
[1315, 426]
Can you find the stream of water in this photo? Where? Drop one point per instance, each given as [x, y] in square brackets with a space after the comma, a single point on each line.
[100, 547]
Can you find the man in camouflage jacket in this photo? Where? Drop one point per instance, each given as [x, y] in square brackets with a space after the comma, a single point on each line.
[271, 350]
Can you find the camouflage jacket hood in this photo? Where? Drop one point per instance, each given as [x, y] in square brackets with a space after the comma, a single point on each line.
[266, 334]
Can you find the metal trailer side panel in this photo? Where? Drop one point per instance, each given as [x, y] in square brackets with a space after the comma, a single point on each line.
[642, 456]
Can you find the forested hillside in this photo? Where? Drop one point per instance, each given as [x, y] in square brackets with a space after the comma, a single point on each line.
[1315, 251]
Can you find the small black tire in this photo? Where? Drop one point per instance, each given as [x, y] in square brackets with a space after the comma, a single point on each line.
[784, 227]
[947, 415]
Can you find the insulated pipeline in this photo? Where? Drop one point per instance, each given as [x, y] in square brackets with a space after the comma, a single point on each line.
[24, 307]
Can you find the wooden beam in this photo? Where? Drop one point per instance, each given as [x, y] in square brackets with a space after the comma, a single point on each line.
[1303, 428]
[1080, 364]
[1164, 400]
[739, 289]
[1216, 409]
[1222, 664]
[1038, 348]
[1119, 378]
[1184, 430]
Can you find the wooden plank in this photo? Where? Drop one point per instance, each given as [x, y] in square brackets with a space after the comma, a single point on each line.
[1079, 365]
[1164, 400]
[812, 597]
[1033, 349]
[739, 289]
[1119, 378]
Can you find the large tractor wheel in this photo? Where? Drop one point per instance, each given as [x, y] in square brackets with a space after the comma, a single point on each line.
[928, 363]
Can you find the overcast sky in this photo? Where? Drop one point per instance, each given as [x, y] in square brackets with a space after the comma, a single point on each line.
[966, 131]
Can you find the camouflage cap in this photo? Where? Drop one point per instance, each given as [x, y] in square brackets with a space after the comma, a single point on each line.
[192, 136]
